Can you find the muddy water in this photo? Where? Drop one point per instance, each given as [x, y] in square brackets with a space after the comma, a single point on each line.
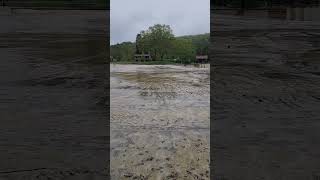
[159, 122]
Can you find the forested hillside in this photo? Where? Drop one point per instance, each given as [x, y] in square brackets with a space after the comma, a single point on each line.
[200, 42]
[162, 45]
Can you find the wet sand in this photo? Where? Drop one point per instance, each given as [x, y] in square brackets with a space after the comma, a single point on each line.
[266, 99]
[52, 125]
[159, 122]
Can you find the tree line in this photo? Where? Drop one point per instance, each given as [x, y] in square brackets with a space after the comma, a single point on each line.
[160, 42]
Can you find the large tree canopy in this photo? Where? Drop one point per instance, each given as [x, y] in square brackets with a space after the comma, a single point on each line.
[156, 40]
[200, 42]
[183, 49]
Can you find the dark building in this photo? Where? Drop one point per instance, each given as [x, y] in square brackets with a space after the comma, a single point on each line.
[202, 59]
[142, 57]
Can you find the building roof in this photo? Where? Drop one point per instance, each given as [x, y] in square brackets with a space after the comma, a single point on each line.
[202, 57]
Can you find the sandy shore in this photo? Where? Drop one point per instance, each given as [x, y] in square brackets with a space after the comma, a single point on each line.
[266, 98]
[159, 122]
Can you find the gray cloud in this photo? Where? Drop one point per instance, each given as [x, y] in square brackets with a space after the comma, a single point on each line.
[129, 17]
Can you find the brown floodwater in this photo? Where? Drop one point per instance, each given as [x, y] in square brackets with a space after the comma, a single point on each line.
[159, 122]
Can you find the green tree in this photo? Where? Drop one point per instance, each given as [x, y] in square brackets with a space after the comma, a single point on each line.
[160, 42]
[156, 40]
[183, 49]
[123, 51]
[200, 42]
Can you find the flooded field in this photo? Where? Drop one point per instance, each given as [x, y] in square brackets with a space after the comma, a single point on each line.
[159, 122]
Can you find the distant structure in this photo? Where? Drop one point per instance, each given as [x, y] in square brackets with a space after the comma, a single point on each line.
[140, 56]
[202, 59]
[112, 59]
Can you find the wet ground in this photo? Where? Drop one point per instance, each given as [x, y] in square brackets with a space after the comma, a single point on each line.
[266, 98]
[52, 71]
[159, 122]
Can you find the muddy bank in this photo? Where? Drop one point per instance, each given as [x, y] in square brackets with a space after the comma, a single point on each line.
[266, 98]
[52, 78]
[159, 122]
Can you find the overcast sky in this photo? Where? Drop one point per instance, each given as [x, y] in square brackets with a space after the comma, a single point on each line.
[186, 17]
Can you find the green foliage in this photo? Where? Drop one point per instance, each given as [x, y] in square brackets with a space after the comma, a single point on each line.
[201, 43]
[160, 42]
[183, 50]
[123, 52]
[156, 40]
